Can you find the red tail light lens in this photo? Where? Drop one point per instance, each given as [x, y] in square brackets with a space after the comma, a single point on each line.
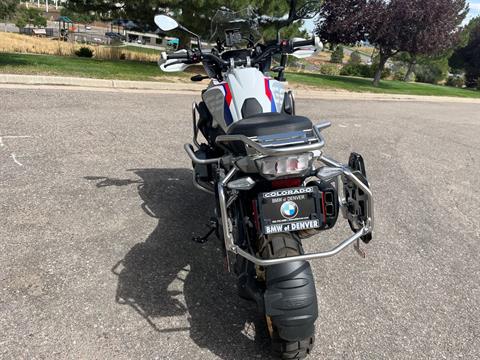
[286, 183]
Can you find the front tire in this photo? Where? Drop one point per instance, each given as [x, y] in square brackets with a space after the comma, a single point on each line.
[290, 299]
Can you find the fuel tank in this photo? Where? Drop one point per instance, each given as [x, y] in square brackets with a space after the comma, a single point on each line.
[245, 92]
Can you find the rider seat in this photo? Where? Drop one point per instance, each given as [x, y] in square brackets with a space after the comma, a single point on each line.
[269, 124]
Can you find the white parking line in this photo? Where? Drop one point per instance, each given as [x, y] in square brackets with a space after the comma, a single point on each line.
[1, 142]
[16, 161]
[16, 136]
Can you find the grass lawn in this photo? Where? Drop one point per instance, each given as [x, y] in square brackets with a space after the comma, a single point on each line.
[81, 67]
[142, 71]
[386, 86]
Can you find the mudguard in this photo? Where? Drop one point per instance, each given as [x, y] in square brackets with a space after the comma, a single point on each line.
[291, 300]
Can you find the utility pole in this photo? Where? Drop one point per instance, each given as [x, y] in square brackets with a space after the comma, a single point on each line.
[46, 6]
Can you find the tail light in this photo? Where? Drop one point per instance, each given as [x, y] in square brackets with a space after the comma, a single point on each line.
[284, 165]
[286, 183]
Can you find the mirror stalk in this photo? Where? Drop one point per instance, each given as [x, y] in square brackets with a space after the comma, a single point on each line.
[183, 28]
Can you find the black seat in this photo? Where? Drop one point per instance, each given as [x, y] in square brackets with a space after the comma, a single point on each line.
[269, 124]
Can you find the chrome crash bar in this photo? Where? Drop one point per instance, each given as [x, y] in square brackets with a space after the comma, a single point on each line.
[227, 227]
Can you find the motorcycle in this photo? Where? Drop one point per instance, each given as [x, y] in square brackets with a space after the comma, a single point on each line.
[274, 187]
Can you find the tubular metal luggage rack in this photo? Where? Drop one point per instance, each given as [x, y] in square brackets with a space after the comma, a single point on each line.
[337, 170]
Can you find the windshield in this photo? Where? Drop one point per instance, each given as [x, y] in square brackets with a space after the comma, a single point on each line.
[235, 28]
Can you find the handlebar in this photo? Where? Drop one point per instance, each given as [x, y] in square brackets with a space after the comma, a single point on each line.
[284, 47]
[301, 43]
[178, 56]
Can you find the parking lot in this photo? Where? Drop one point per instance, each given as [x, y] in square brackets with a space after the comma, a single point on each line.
[97, 210]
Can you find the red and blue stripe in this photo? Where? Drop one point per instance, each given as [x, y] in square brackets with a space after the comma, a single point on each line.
[227, 114]
[268, 92]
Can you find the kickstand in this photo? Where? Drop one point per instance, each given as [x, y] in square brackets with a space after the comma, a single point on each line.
[360, 251]
[204, 239]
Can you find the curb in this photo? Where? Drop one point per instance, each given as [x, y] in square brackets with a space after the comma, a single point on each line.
[300, 91]
[96, 83]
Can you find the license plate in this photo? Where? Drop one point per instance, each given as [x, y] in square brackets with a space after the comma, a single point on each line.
[289, 210]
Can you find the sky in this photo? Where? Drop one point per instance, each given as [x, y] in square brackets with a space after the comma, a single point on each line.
[474, 8]
[474, 11]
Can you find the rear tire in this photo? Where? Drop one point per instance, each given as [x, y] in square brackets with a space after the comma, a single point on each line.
[284, 349]
[279, 246]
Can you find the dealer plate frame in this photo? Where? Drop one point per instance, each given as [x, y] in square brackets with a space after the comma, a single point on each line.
[309, 215]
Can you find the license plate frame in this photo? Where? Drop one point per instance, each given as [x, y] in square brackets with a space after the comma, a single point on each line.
[292, 209]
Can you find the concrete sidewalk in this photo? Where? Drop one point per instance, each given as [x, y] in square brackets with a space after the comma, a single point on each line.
[301, 91]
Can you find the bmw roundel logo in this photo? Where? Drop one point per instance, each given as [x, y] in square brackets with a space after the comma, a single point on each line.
[289, 210]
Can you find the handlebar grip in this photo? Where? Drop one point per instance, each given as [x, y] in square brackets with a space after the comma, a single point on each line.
[181, 56]
[301, 43]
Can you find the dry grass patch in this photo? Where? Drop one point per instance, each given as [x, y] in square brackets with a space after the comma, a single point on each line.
[18, 43]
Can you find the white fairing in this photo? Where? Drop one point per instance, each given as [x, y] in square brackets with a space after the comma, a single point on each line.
[225, 100]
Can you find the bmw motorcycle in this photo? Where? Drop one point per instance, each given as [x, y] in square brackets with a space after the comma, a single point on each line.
[273, 184]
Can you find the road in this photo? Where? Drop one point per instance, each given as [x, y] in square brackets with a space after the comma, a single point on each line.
[97, 211]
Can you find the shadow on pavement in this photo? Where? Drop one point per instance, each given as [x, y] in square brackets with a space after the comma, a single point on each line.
[169, 275]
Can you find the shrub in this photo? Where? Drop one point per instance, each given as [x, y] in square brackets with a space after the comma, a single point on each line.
[355, 58]
[399, 74]
[431, 71]
[329, 69]
[472, 80]
[428, 74]
[360, 70]
[455, 81]
[84, 52]
[337, 55]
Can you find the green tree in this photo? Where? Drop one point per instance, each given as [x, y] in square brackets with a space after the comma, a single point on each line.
[467, 57]
[415, 26]
[30, 16]
[196, 15]
[337, 55]
[84, 17]
[7, 8]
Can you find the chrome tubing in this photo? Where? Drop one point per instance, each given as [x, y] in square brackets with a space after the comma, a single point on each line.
[227, 235]
[230, 244]
[195, 128]
[306, 257]
[288, 150]
[191, 154]
[347, 172]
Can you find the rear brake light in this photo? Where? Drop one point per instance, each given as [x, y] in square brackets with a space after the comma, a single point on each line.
[286, 183]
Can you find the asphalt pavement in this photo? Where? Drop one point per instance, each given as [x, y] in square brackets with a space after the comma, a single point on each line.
[97, 210]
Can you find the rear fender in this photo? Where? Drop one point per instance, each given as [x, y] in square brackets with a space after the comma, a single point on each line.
[291, 299]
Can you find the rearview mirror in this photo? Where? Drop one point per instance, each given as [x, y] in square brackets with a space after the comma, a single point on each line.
[166, 23]
[318, 44]
[307, 51]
